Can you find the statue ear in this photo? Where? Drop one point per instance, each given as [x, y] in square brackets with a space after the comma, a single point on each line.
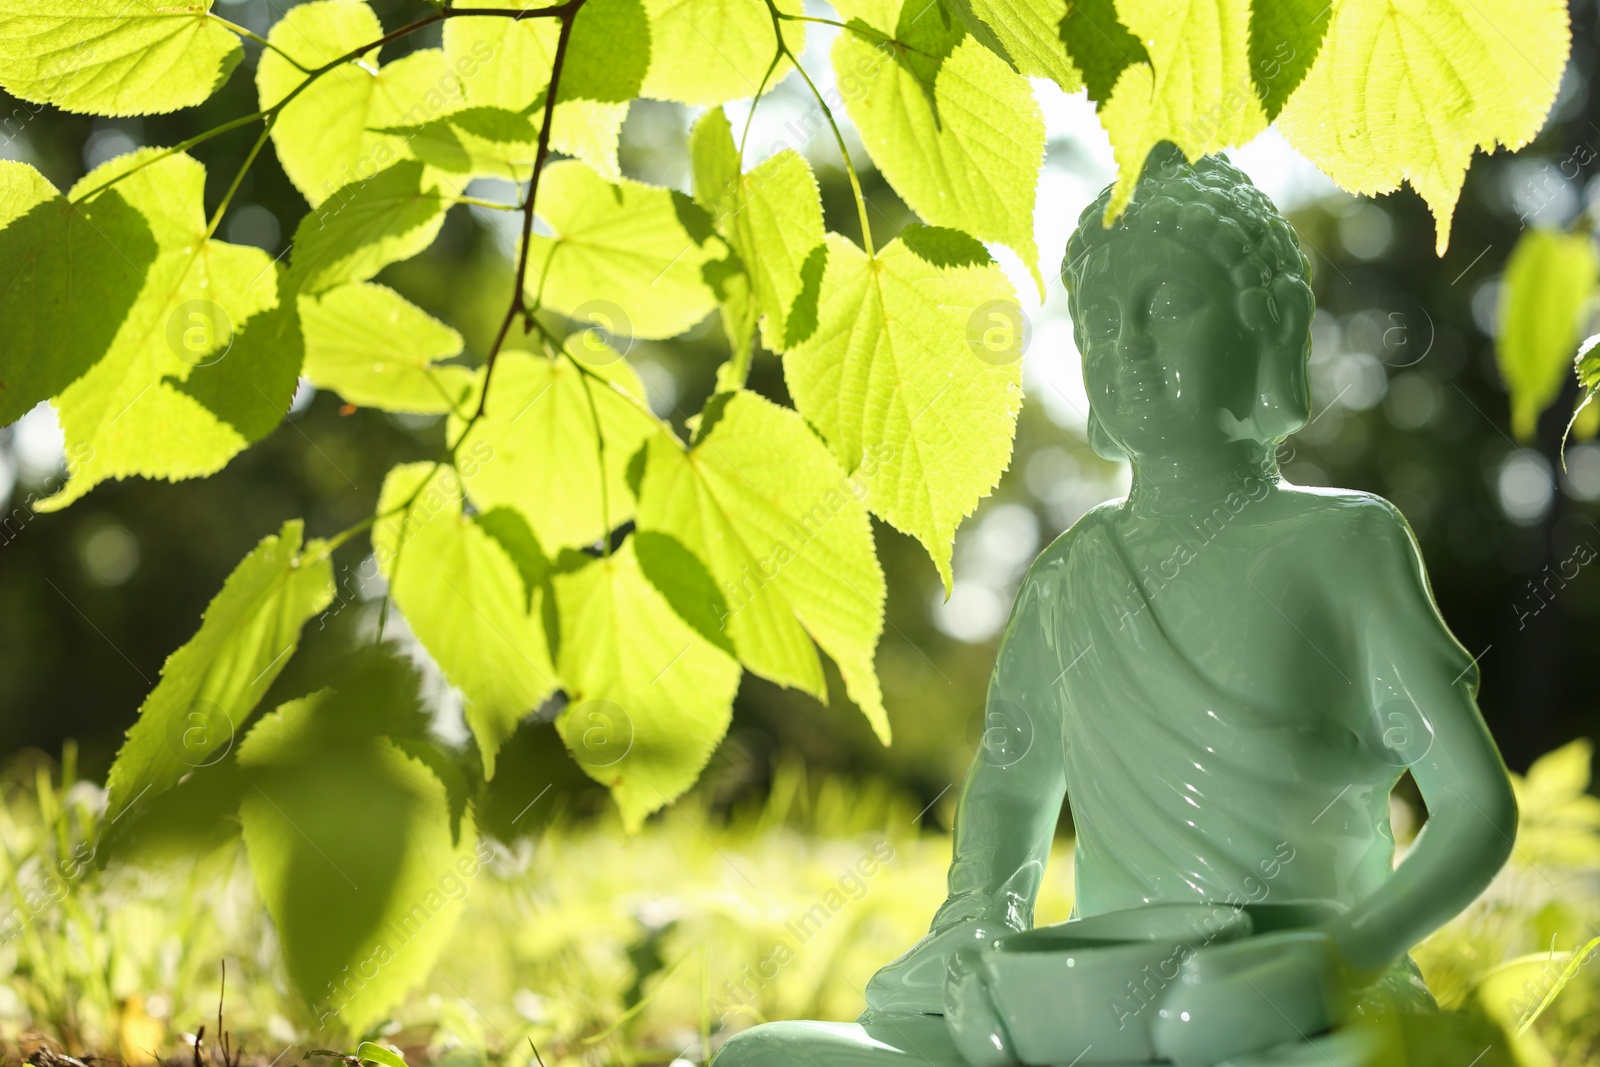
[1280, 319]
[1101, 442]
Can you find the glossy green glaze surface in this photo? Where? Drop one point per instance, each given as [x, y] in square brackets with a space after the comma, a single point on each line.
[1225, 675]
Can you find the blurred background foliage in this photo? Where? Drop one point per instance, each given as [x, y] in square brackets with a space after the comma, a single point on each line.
[572, 928]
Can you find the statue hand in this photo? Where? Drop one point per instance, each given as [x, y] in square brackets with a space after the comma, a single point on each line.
[914, 983]
[1233, 998]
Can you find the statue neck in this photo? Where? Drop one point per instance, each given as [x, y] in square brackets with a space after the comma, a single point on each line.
[1179, 482]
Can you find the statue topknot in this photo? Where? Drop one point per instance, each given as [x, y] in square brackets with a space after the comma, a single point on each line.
[1210, 204]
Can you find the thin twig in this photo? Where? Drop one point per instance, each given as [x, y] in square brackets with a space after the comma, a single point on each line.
[222, 996]
[568, 15]
[312, 75]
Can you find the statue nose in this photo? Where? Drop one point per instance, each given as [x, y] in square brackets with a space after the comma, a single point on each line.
[1134, 343]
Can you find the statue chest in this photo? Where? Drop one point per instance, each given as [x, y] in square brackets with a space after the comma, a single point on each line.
[1229, 620]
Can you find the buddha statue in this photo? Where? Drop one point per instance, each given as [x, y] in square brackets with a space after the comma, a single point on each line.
[1225, 675]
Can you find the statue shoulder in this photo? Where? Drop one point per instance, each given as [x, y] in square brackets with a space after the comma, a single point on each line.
[1090, 523]
[1356, 532]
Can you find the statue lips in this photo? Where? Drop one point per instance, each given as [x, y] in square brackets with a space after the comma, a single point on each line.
[1139, 381]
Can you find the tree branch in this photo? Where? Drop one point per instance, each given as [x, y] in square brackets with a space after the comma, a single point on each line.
[568, 13]
[561, 11]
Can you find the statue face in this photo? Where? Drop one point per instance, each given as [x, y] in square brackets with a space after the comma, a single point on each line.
[1167, 362]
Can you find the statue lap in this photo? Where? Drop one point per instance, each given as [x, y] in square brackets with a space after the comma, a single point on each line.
[922, 1039]
[881, 1039]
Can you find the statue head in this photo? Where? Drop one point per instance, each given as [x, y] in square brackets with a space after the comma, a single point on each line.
[1192, 312]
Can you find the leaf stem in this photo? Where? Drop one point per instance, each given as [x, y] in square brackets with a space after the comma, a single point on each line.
[559, 348]
[181, 146]
[332, 544]
[755, 101]
[838, 137]
[238, 178]
[480, 202]
[600, 452]
[859, 29]
[735, 373]
[400, 545]
[258, 39]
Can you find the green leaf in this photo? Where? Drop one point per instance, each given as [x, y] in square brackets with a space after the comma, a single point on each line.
[951, 126]
[1196, 90]
[1575, 962]
[464, 598]
[350, 841]
[739, 313]
[1406, 92]
[715, 164]
[609, 54]
[366, 226]
[332, 134]
[535, 448]
[505, 63]
[636, 247]
[114, 57]
[478, 141]
[383, 1055]
[650, 697]
[1558, 820]
[773, 219]
[710, 51]
[378, 350]
[1285, 37]
[591, 132]
[775, 225]
[1544, 303]
[206, 360]
[1586, 419]
[1561, 775]
[781, 527]
[1100, 46]
[1024, 33]
[69, 275]
[209, 687]
[898, 390]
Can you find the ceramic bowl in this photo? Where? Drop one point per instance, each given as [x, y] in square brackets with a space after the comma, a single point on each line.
[1087, 989]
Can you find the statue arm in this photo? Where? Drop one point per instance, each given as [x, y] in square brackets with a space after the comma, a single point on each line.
[1006, 813]
[1422, 686]
[1418, 684]
[1005, 820]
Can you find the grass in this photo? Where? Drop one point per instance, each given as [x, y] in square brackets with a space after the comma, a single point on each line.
[596, 948]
